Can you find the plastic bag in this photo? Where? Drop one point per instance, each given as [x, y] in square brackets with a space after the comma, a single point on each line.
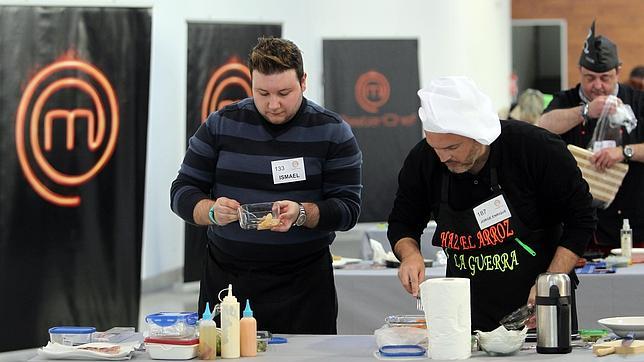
[441, 258]
[501, 341]
[608, 131]
[388, 336]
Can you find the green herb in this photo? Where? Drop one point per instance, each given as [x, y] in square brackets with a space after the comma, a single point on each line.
[262, 346]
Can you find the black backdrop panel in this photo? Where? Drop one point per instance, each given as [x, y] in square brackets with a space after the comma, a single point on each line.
[73, 122]
[373, 85]
[217, 75]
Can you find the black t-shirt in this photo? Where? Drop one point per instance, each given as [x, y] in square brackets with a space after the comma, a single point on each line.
[631, 193]
[542, 185]
[538, 175]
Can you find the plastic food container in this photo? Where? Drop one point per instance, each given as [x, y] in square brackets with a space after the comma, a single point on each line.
[175, 325]
[416, 321]
[260, 216]
[179, 342]
[172, 349]
[71, 336]
[262, 340]
[592, 335]
[517, 319]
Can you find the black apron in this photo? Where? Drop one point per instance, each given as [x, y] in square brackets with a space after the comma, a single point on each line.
[293, 298]
[502, 261]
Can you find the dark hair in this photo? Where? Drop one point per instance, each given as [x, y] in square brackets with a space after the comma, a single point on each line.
[275, 55]
[637, 72]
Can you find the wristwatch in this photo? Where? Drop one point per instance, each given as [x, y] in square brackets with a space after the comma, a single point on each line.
[301, 218]
[628, 152]
[584, 112]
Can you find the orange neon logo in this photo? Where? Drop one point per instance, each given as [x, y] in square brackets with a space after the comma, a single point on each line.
[47, 82]
[231, 78]
[372, 91]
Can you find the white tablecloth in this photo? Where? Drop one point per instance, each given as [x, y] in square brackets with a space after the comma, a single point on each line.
[358, 348]
[366, 297]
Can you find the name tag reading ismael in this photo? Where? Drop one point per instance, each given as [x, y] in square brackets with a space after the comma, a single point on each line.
[290, 170]
[491, 212]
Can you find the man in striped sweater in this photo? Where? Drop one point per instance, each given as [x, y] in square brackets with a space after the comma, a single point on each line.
[275, 146]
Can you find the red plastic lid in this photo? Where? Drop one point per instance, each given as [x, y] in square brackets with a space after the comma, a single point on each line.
[181, 342]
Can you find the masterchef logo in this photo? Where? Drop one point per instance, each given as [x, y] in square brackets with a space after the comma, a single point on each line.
[372, 92]
[50, 127]
[227, 84]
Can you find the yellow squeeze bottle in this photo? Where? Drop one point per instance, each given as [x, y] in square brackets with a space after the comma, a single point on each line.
[207, 336]
[230, 325]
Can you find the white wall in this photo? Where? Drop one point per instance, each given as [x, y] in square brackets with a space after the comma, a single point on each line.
[456, 37]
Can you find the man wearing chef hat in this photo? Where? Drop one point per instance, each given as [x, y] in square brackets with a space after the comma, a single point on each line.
[574, 114]
[507, 197]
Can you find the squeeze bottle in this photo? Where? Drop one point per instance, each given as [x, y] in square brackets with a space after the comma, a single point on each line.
[626, 235]
[230, 325]
[248, 333]
[207, 336]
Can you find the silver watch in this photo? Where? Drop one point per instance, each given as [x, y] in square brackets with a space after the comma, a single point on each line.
[628, 152]
[301, 218]
[584, 112]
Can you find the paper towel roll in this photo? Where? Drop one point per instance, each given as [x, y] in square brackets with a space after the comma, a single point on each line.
[447, 311]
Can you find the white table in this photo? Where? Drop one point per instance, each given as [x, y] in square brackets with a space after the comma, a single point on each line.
[356, 348]
[366, 297]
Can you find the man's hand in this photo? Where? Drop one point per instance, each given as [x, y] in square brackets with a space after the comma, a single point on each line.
[597, 105]
[412, 265]
[226, 210]
[607, 157]
[532, 322]
[288, 213]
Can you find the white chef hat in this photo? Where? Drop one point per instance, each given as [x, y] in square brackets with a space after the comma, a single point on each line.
[456, 105]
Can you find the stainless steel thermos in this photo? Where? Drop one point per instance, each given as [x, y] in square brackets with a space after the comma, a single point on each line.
[553, 303]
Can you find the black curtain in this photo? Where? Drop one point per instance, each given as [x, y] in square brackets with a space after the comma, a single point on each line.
[372, 84]
[73, 123]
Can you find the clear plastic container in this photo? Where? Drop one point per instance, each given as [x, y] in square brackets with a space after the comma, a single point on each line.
[416, 321]
[262, 340]
[177, 325]
[517, 319]
[71, 336]
[260, 216]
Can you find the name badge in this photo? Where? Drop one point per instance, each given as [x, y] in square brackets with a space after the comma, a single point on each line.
[491, 212]
[291, 170]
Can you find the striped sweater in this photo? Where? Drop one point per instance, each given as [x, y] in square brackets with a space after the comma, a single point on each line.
[230, 155]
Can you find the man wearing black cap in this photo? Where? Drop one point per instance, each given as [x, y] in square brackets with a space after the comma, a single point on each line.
[573, 114]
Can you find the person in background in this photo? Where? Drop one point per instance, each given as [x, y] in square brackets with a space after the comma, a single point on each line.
[274, 147]
[636, 78]
[573, 114]
[507, 197]
[529, 107]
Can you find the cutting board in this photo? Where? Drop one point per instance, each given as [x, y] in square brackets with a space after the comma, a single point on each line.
[605, 348]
